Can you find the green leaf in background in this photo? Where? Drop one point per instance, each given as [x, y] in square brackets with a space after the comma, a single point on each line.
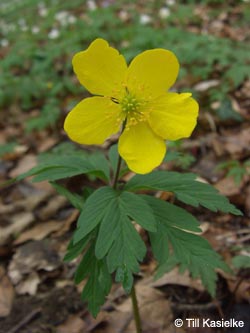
[113, 157]
[100, 163]
[226, 111]
[241, 261]
[7, 148]
[186, 188]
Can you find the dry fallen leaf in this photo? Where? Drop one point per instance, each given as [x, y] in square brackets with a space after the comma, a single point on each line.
[174, 277]
[25, 164]
[74, 324]
[155, 309]
[227, 186]
[18, 223]
[30, 257]
[241, 292]
[205, 85]
[53, 205]
[39, 231]
[237, 144]
[29, 285]
[6, 294]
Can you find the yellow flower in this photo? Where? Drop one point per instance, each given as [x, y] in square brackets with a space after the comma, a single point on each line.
[135, 95]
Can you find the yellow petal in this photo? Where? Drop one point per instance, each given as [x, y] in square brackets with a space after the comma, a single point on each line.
[152, 73]
[93, 120]
[174, 116]
[100, 69]
[141, 148]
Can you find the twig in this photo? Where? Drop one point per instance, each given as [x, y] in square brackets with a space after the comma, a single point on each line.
[194, 307]
[25, 321]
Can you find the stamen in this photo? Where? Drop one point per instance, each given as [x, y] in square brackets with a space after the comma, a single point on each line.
[132, 108]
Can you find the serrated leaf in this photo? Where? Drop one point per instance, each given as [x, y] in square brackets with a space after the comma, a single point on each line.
[186, 188]
[75, 199]
[173, 215]
[194, 254]
[190, 251]
[99, 280]
[86, 265]
[125, 276]
[93, 211]
[108, 229]
[127, 249]
[74, 250]
[136, 208]
[109, 212]
[159, 243]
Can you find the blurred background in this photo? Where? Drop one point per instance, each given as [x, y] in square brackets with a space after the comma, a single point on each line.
[38, 89]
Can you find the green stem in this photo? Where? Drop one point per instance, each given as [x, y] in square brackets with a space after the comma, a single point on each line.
[137, 317]
[116, 177]
[136, 313]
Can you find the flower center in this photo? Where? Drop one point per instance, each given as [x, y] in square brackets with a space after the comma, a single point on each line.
[132, 109]
[130, 104]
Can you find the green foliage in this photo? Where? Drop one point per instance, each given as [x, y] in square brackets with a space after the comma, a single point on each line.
[241, 261]
[178, 156]
[236, 169]
[99, 280]
[226, 111]
[190, 252]
[186, 187]
[7, 148]
[117, 238]
[106, 232]
[36, 70]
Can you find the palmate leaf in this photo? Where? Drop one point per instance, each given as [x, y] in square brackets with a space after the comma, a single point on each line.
[172, 216]
[190, 251]
[112, 212]
[74, 250]
[186, 188]
[94, 211]
[138, 210]
[127, 249]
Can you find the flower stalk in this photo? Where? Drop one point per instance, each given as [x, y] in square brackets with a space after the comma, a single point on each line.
[136, 312]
